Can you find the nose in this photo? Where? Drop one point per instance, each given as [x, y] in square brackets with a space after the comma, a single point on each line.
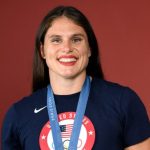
[67, 46]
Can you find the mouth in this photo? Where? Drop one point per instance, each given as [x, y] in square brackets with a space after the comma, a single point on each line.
[67, 60]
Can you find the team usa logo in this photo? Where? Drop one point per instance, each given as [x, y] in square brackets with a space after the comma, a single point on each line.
[66, 120]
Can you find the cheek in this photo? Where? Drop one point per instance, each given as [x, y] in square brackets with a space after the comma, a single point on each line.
[49, 53]
[86, 52]
[85, 57]
[49, 57]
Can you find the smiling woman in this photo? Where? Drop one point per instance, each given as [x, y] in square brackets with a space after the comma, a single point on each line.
[84, 111]
[66, 51]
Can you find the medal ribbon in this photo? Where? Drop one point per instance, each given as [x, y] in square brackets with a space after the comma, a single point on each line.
[52, 113]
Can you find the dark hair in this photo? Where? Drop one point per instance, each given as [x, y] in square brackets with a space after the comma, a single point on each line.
[40, 69]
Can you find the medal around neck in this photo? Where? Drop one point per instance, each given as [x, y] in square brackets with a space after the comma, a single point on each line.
[66, 120]
[52, 112]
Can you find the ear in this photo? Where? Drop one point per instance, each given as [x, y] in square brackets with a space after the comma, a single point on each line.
[89, 52]
[42, 51]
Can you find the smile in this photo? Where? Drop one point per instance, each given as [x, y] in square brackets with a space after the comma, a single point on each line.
[67, 60]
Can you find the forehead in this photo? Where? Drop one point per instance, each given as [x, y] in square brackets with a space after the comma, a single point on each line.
[64, 25]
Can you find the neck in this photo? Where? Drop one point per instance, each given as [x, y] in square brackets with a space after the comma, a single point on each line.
[66, 86]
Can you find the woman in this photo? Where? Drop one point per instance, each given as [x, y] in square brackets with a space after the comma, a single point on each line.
[72, 107]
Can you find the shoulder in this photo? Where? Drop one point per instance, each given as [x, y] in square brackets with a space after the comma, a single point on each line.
[117, 95]
[19, 114]
[32, 99]
[125, 101]
[106, 85]
[26, 105]
[24, 108]
[110, 89]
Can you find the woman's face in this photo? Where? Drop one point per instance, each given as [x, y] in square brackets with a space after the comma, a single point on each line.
[66, 49]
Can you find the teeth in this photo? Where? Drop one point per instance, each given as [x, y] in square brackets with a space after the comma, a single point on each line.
[67, 59]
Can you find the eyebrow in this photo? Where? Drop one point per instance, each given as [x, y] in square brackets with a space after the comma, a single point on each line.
[52, 36]
[79, 34]
[73, 35]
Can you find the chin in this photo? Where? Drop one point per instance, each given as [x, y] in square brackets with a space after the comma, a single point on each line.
[69, 76]
[72, 75]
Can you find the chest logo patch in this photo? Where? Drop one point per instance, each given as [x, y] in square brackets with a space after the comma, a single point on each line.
[66, 120]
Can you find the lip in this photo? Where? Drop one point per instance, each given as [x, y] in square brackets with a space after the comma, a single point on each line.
[67, 56]
[71, 62]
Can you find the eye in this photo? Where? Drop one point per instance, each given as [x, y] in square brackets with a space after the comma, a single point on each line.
[56, 40]
[76, 40]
